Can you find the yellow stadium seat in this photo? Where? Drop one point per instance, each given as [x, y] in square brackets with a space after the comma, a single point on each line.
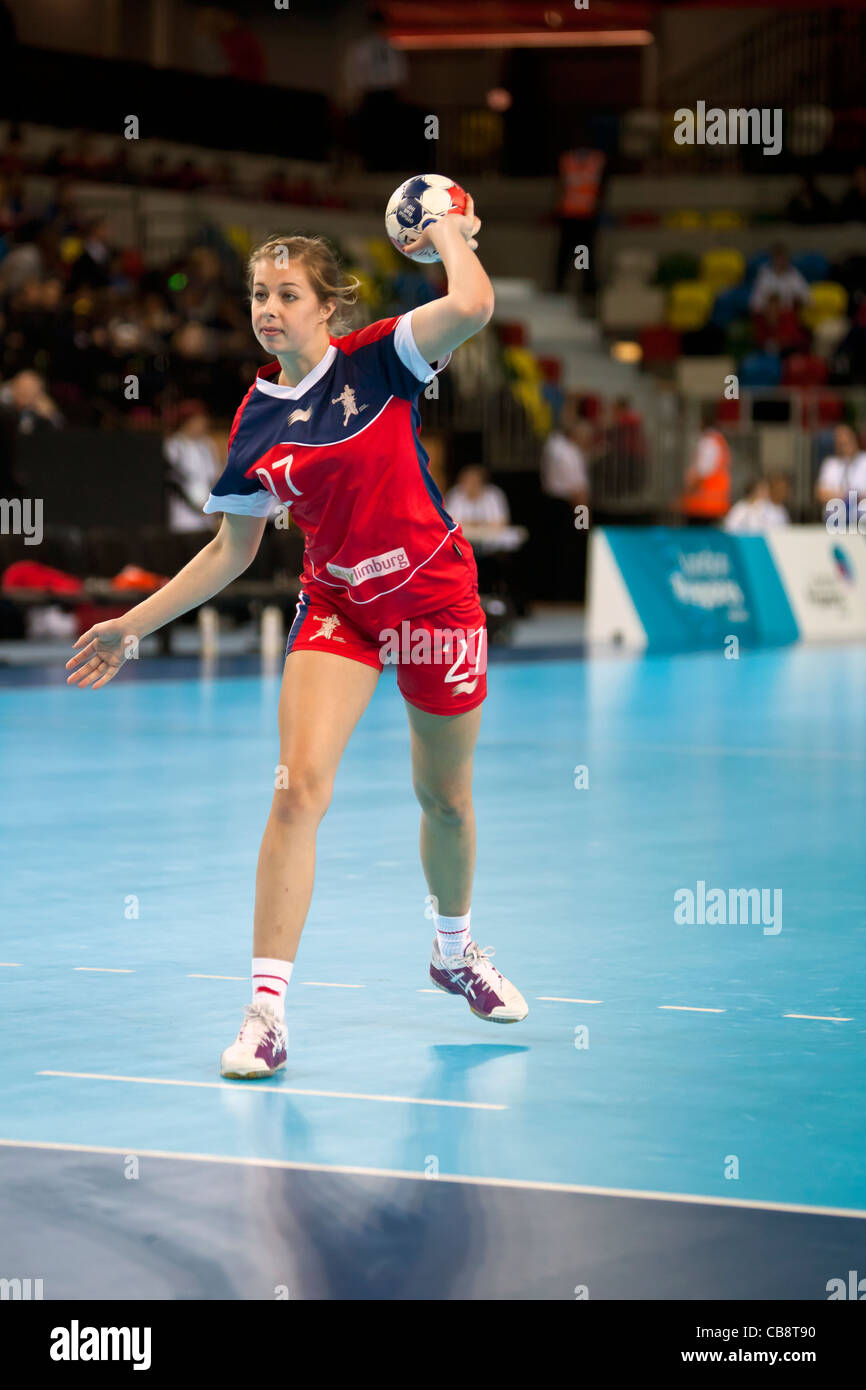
[722, 267]
[689, 305]
[685, 219]
[827, 300]
[240, 239]
[381, 255]
[725, 219]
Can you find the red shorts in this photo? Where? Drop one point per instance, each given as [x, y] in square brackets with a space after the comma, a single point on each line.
[441, 658]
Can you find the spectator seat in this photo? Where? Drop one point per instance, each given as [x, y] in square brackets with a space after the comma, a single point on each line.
[808, 129]
[812, 265]
[635, 263]
[731, 304]
[804, 369]
[626, 305]
[703, 377]
[639, 134]
[828, 300]
[659, 344]
[760, 369]
[723, 267]
[690, 304]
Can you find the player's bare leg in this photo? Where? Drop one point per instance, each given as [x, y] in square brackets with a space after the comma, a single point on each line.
[322, 698]
[443, 749]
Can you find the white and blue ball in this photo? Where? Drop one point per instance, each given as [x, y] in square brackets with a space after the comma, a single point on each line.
[414, 205]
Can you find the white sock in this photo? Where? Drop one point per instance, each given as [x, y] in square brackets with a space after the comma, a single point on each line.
[452, 934]
[270, 982]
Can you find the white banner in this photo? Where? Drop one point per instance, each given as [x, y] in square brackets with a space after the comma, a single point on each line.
[824, 575]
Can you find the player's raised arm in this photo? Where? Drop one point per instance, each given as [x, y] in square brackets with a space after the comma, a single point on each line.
[444, 324]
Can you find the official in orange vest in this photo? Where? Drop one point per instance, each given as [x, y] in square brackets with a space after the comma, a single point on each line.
[580, 177]
[707, 483]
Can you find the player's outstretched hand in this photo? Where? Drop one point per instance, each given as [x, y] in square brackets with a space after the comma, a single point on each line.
[103, 650]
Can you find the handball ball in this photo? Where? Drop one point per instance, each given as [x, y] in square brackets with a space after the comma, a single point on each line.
[414, 205]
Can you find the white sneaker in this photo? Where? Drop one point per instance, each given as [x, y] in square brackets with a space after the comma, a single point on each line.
[259, 1048]
[489, 995]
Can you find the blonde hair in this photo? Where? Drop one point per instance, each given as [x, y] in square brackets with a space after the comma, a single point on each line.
[322, 265]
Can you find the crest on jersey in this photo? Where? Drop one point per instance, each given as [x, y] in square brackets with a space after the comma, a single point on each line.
[350, 406]
[327, 628]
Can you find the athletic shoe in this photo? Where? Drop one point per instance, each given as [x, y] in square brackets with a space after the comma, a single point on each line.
[489, 995]
[259, 1048]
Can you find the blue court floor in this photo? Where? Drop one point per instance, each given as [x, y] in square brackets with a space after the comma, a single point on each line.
[680, 1116]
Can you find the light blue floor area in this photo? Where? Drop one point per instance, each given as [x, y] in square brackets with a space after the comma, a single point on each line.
[131, 820]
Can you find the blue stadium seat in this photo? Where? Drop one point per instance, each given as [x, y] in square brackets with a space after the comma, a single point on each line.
[812, 265]
[754, 263]
[760, 369]
[731, 304]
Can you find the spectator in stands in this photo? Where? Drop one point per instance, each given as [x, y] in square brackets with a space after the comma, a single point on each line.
[778, 277]
[375, 74]
[564, 476]
[10, 483]
[778, 330]
[780, 492]
[755, 511]
[564, 472]
[580, 181]
[226, 47]
[26, 396]
[849, 359]
[193, 467]
[843, 475]
[625, 447]
[853, 206]
[706, 496]
[23, 262]
[475, 503]
[92, 270]
[808, 205]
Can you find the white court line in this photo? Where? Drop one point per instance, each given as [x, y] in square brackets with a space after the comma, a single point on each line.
[711, 750]
[103, 970]
[10, 964]
[691, 1009]
[217, 977]
[278, 1090]
[557, 999]
[522, 1184]
[328, 984]
[821, 1018]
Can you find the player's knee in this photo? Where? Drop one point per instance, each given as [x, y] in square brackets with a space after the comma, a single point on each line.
[305, 796]
[444, 804]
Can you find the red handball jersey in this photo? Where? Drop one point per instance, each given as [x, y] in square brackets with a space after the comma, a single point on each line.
[342, 450]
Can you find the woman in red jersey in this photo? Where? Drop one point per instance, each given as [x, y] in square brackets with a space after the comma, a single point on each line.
[329, 429]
